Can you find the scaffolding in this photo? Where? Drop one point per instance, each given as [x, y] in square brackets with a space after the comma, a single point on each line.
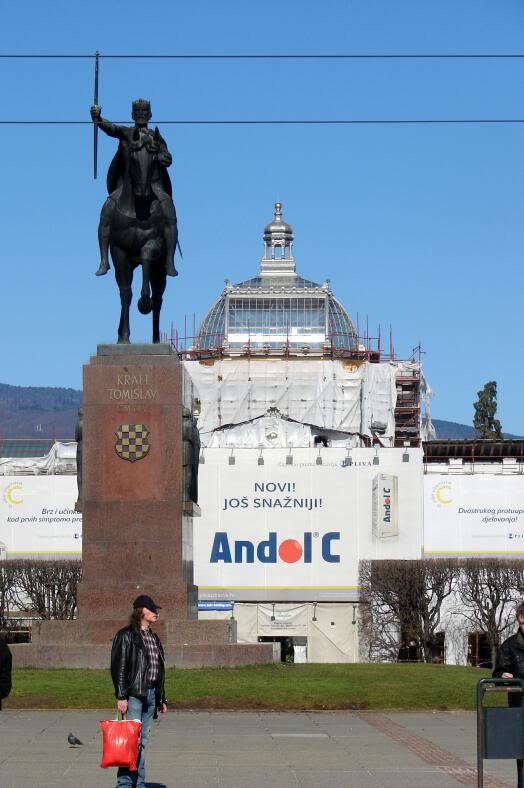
[279, 315]
[405, 401]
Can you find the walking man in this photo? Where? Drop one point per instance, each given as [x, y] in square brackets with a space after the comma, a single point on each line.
[6, 663]
[510, 657]
[138, 673]
[510, 665]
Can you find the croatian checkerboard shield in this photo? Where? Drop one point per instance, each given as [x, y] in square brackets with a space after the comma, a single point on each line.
[132, 441]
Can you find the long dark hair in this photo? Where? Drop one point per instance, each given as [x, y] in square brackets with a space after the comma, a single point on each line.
[136, 617]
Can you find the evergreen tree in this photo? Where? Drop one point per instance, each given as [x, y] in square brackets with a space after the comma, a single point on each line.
[484, 421]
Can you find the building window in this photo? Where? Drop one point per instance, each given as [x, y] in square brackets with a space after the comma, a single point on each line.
[276, 321]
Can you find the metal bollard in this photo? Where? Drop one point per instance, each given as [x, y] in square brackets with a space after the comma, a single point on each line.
[500, 730]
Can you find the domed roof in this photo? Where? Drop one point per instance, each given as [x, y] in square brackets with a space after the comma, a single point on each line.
[277, 308]
[278, 283]
[213, 326]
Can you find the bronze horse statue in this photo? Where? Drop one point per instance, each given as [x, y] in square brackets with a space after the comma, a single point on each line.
[138, 220]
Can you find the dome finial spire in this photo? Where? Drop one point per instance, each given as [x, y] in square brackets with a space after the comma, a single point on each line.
[278, 257]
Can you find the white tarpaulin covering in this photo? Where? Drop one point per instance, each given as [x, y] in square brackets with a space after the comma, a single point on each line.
[323, 632]
[61, 459]
[285, 620]
[333, 636]
[245, 615]
[266, 432]
[342, 396]
[428, 431]
[379, 397]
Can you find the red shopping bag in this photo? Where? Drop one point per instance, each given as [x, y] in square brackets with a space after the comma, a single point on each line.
[120, 740]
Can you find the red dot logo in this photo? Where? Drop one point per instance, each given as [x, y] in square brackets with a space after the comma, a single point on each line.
[290, 551]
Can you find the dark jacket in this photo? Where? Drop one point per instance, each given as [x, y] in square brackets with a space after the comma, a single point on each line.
[129, 664]
[6, 662]
[510, 659]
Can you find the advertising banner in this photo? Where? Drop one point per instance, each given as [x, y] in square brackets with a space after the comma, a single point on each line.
[290, 528]
[37, 517]
[473, 514]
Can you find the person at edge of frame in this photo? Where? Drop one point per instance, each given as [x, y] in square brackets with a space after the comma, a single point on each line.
[138, 673]
[6, 664]
[510, 657]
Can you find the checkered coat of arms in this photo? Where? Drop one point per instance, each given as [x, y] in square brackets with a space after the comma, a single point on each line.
[132, 441]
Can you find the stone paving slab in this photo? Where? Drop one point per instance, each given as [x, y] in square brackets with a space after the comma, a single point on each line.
[255, 749]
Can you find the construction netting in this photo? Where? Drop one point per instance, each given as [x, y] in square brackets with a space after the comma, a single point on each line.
[427, 429]
[60, 460]
[289, 401]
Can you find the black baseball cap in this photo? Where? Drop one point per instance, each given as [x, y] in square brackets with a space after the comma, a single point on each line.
[145, 601]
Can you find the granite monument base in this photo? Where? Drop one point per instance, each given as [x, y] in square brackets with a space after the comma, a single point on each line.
[137, 521]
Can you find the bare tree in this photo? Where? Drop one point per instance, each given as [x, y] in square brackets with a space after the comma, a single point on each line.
[439, 578]
[404, 598]
[517, 578]
[47, 588]
[6, 591]
[487, 589]
[379, 625]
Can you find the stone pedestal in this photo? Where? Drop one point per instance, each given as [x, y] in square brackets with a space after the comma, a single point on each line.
[137, 527]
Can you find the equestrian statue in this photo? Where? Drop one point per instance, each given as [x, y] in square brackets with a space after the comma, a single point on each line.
[138, 221]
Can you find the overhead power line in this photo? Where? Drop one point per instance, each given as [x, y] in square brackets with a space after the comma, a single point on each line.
[292, 122]
[280, 56]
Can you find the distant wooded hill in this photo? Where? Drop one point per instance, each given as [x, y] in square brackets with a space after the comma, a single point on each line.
[41, 412]
[451, 429]
[38, 412]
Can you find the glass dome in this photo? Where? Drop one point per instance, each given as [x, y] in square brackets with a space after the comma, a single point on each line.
[278, 308]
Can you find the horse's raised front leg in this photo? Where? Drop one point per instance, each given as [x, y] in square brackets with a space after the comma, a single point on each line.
[158, 285]
[145, 303]
[124, 280]
[170, 235]
[104, 232]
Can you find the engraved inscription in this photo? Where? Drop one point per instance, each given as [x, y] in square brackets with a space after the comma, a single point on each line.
[130, 388]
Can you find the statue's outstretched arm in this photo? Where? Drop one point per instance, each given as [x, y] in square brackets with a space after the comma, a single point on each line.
[111, 129]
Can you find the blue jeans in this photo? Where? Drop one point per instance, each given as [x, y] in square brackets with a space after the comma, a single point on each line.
[138, 709]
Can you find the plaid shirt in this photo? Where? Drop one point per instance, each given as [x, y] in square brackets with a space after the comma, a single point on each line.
[151, 645]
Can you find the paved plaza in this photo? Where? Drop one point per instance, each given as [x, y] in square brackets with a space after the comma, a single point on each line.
[252, 749]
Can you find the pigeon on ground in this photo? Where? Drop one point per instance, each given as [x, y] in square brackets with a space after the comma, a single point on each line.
[73, 741]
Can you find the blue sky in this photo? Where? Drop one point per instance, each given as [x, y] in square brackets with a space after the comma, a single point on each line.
[420, 227]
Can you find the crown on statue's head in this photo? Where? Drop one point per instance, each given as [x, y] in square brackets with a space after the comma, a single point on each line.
[141, 104]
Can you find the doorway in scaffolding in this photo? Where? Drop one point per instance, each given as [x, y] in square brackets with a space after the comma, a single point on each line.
[292, 649]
